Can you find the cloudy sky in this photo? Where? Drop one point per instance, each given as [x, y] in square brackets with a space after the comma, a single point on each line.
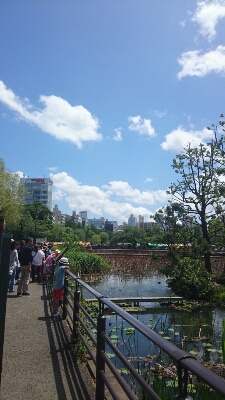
[101, 96]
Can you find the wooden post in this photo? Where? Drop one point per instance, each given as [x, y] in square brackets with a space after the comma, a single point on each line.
[100, 363]
[64, 313]
[5, 243]
[76, 299]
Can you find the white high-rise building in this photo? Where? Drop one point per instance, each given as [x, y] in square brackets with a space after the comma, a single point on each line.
[83, 215]
[37, 190]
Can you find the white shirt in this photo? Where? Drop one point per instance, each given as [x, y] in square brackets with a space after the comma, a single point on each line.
[38, 257]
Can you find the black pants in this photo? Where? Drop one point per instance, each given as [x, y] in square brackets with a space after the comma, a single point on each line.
[35, 270]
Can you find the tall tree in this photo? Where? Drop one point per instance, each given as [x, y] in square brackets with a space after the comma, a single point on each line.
[35, 221]
[200, 187]
[104, 237]
[10, 196]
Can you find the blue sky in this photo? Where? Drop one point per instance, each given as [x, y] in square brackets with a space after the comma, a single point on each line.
[101, 96]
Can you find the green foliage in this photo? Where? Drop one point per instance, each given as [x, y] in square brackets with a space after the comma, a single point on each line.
[104, 237]
[10, 197]
[35, 221]
[78, 348]
[86, 263]
[95, 239]
[160, 388]
[57, 233]
[168, 389]
[129, 234]
[200, 188]
[70, 224]
[191, 280]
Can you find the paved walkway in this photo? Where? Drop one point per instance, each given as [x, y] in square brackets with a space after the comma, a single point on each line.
[37, 363]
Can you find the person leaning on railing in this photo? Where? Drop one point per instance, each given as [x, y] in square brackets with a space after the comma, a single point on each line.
[48, 263]
[58, 286]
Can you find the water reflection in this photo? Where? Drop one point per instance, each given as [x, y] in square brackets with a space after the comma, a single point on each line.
[198, 332]
[126, 286]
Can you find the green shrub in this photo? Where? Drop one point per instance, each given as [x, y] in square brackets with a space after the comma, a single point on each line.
[190, 279]
[86, 263]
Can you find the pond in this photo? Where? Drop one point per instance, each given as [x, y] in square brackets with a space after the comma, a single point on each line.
[198, 331]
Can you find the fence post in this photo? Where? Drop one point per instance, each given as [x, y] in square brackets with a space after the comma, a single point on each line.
[100, 363]
[5, 242]
[182, 384]
[76, 299]
[64, 313]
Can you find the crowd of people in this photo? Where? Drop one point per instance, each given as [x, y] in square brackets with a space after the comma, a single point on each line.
[37, 261]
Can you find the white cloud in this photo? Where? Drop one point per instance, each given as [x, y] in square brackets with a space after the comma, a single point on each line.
[53, 169]
[58, 118]
[207, 15]
[123, 189]
[160, 114]
[141, 125]
[195, 64]
[149, 180]
[118, 134]
[179, 138]
[113, 200]
[20, 174]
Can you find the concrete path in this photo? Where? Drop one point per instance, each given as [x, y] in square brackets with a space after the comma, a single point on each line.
[37, 364]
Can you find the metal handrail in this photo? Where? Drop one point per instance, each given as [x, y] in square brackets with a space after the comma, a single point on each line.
[185, 361]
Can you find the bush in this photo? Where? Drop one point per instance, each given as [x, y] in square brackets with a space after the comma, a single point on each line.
[190, 279]
[85, 263]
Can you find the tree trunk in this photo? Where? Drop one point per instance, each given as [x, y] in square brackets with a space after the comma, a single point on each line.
[207, 254]
[208, 265]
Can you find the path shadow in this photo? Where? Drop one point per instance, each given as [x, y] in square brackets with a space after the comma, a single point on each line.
[12, 296]
[75, 381]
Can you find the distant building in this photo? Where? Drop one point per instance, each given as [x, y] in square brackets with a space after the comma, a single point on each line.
[149, 225]
[37, 190]
[121, 227]
[190, 222]
[59, 217]
[111, 226]
[132, 220]
[99, 223]
[83, 215]
[67, 217]
[141, 221]
[76, 218]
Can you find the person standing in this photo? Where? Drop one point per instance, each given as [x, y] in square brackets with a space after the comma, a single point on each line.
[20, 249]
[48, 251]
[58, 286]
[13, 265]
[38, 257]
[25, 262]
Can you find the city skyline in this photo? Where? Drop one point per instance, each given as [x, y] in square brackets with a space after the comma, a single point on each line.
[100, 97]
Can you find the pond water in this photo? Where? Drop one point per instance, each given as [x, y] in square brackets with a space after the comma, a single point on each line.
[127, 286]
[198, 332]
